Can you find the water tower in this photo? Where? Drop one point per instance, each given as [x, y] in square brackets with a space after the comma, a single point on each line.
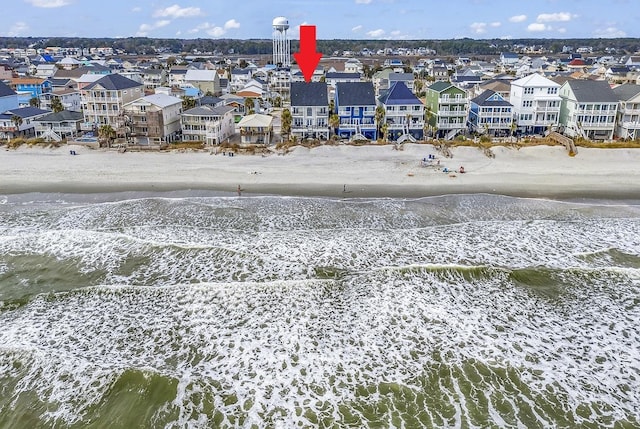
[281, 44]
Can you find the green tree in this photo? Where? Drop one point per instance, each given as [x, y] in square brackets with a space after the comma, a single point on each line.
[106, 133]
[34, 102]
[56, 105]
[249, 105]
[332, 106]
[188, 103]
[277, 102]
[17, 121]
[379, 117]
[286, 119]
[334, 122]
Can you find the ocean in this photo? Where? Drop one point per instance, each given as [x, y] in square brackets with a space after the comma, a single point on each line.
[200, 310]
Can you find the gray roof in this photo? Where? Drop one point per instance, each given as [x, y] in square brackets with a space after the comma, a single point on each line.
[355, 94]
[63, 116]
[626, 92]
[114, 82]
[491, 99]
[24, 112]
[592, 91]
[208, 111]
[395, 77]
[309, 94]
[342, 75]
[5, 90]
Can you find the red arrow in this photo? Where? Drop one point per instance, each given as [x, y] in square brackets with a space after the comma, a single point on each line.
[307, 58]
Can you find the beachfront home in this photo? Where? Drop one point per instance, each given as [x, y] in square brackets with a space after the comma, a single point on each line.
[447, 109]
[69, 98]
[104, 99]
[8, 98]
[355, 104]
[536, 103]
[256, 129]
[309, 110]
[628, 119]
[404, 113]
[58, 126]
[154, 118]
[210, 125]
[490, 114]
[588, 109]
[20, 121]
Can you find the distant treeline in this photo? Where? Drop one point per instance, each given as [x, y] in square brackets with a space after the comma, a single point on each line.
[149, 46]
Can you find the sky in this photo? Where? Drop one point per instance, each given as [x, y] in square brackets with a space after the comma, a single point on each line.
[334, 19]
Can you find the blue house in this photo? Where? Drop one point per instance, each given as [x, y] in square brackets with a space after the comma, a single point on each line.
[8, 98]
[404, 113]
[30, 87]
[490, 114]
[355, 104]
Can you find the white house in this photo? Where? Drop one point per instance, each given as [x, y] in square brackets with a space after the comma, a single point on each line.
[536, 103]
[211, 125]
[310, 110]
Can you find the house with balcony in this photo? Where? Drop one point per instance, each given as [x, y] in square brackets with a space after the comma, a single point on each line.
[309, 110]
[153, 119]
[589, 109]
[29, 87]
[628, 117]
[490, 114]
[448, 108]
[9, 129]
[58, 126]
[355, 105]
[404, 113]
[239, 78]
[104, 99]
[210, 125]
[536, 103]
[153, 78]
[69, 98]
[256, 129]
[8, 98]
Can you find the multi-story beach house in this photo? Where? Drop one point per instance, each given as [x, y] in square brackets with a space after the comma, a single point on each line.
[239, 78]
[104, 99]
[207, 81]
[628, 117]
[309, 110]
[256, 129]
[8, 98]
[60, 125]
[447, 108]
[29, 88]
[536, 103]
[490, 114]
[211, 125]
[588, 109]
[69, 98]
[153, 78]
[404, 113]
[355, 105]
[153, 119]
[26, 125]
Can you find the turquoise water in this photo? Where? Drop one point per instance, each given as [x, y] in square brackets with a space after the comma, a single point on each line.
[214, 311]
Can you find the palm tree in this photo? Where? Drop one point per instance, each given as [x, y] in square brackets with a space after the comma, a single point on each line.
[286, 119]
[56, 105]
[334, 122]
[379, 117]
[385, 131]
[106, 132]
[17, 121]
[34, 102]
[188, 103]
[428, 115]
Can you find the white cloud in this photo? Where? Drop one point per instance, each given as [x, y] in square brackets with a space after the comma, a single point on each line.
[555, 17]
[48, 3]
[144, 29]
[17, 29]
[518, 18]
[215, 30]
[232, 23]
[479, 27]
[356, 28]
[562, 30]
[136, 9]
[176, 11]
[495, 24]
[609, 32]
[376, 33]
[537, 27]
[363, 1]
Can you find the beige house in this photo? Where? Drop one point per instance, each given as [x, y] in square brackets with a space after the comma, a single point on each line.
[256, 129]
[104, 99]
[153, 118]
[211, 125]
[205, 80]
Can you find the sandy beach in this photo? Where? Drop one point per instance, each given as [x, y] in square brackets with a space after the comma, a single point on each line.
[364, 171]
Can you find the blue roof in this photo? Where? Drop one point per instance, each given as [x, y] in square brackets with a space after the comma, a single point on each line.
[399, 94]
[24, 112]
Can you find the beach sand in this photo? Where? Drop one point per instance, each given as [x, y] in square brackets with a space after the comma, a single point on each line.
[361, 171]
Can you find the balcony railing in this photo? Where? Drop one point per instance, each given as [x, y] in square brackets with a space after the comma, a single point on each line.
[449, 100]
[452, 113]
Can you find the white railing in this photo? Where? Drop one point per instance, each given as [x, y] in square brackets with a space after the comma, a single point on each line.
[446, 100]
[450, 113]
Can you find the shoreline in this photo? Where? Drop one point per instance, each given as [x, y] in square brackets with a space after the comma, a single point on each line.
[326, 171]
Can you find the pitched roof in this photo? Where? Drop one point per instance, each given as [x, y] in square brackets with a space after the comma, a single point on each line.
[256, 120]
[342, 75]
[491, 98]
[162, 100]
[439, 86]
[309, 94]
[355, 94]
[114, 82]
[210, 100]
[395, 77]
[399, 94]
[534, 80]
[208, 111]
[25, 112]
[65, 115]
[627, 91]
[5, 90]
[201, 75]
[592, 91]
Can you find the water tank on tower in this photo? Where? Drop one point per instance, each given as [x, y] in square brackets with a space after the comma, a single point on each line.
[281, 43]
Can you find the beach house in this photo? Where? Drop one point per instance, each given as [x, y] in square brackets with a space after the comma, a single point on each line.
[210, 125]
[628, 116]
[310, 110]
[447, 108]
[404, 113]
[588, 109]
[256, 129]
[153, 119]
[103, 100]
[57, 126]
[20, 121]
[536, 103]
[490, 114]
[355, 105]
[8, 98]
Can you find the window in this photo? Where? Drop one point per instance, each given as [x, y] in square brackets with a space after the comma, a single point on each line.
[527, 103]
[552, 90]
[309, 111]
[528, 91]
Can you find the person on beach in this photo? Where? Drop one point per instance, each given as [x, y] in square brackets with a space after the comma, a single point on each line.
[239, 191]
